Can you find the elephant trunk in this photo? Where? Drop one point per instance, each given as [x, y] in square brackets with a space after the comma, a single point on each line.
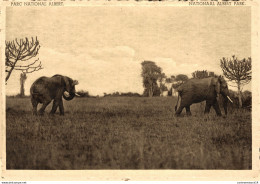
[176, 106]
[68, 96]
[226, 98]
[225, 102]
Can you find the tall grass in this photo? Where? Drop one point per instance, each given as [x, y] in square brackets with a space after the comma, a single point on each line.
[126, 133]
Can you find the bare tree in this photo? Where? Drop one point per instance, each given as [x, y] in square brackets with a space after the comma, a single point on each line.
[17, 56]
[237, 71]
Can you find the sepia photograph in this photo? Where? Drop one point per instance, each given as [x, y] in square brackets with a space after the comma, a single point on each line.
[119, 87]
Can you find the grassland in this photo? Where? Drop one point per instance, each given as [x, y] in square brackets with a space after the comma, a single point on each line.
[126, 133]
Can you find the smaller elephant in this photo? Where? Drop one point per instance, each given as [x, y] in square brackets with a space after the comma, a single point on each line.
[46, 89]
[206, 89]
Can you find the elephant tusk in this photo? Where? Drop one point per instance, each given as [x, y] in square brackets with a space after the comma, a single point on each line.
[66, 94]
[77, 94]
[229, 99]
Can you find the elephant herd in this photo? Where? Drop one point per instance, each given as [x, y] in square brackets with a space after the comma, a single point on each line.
[46, 89]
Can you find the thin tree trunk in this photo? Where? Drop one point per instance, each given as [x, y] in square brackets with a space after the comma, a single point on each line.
[10, 71]
[22, 90]
[23, 77]
[239, 94]
[150, 92]
[9, 74]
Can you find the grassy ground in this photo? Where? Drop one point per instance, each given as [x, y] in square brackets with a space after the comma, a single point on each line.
[126, 133]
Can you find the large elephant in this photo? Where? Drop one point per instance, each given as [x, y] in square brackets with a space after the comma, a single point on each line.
[198, 90]
[46, 89]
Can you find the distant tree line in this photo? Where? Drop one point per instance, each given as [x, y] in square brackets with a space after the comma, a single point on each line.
[203, 74]
[117, 94]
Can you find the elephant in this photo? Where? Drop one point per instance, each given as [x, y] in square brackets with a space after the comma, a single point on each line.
[198, 90]
[46, 89]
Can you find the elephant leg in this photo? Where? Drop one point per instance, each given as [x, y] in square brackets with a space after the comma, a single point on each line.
[55, 106]
[188, 110]
[34, 104]
[61, 108]
[178, 112]
[207, 108]
[45, 103]
[217, 109]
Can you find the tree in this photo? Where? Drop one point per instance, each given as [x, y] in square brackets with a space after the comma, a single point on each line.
[202, 74]
[83, 93]
[237, 71]
[212, 74]
[18, 54]
[179, 79]
[150, 73]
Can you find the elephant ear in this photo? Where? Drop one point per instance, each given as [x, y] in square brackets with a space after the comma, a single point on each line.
[75, 82]
[216, 84]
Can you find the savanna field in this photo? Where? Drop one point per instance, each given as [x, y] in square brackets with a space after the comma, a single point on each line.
[126, 133]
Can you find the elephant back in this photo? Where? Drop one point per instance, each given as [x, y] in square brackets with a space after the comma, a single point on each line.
[38, 84]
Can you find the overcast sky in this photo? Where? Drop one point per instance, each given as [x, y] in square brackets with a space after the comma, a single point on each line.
[102, 47]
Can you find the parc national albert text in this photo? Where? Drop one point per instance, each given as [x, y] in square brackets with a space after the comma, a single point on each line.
[37, 4]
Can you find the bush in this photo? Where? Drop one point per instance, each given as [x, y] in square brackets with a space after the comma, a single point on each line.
[83, 93]
[117, 94]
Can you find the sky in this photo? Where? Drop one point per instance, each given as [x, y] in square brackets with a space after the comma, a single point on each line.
[103, 47]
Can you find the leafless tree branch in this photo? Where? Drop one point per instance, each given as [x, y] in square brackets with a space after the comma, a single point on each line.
[22, 50]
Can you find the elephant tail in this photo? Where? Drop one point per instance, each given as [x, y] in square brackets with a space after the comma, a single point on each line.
[34, 93]
[176, 106]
